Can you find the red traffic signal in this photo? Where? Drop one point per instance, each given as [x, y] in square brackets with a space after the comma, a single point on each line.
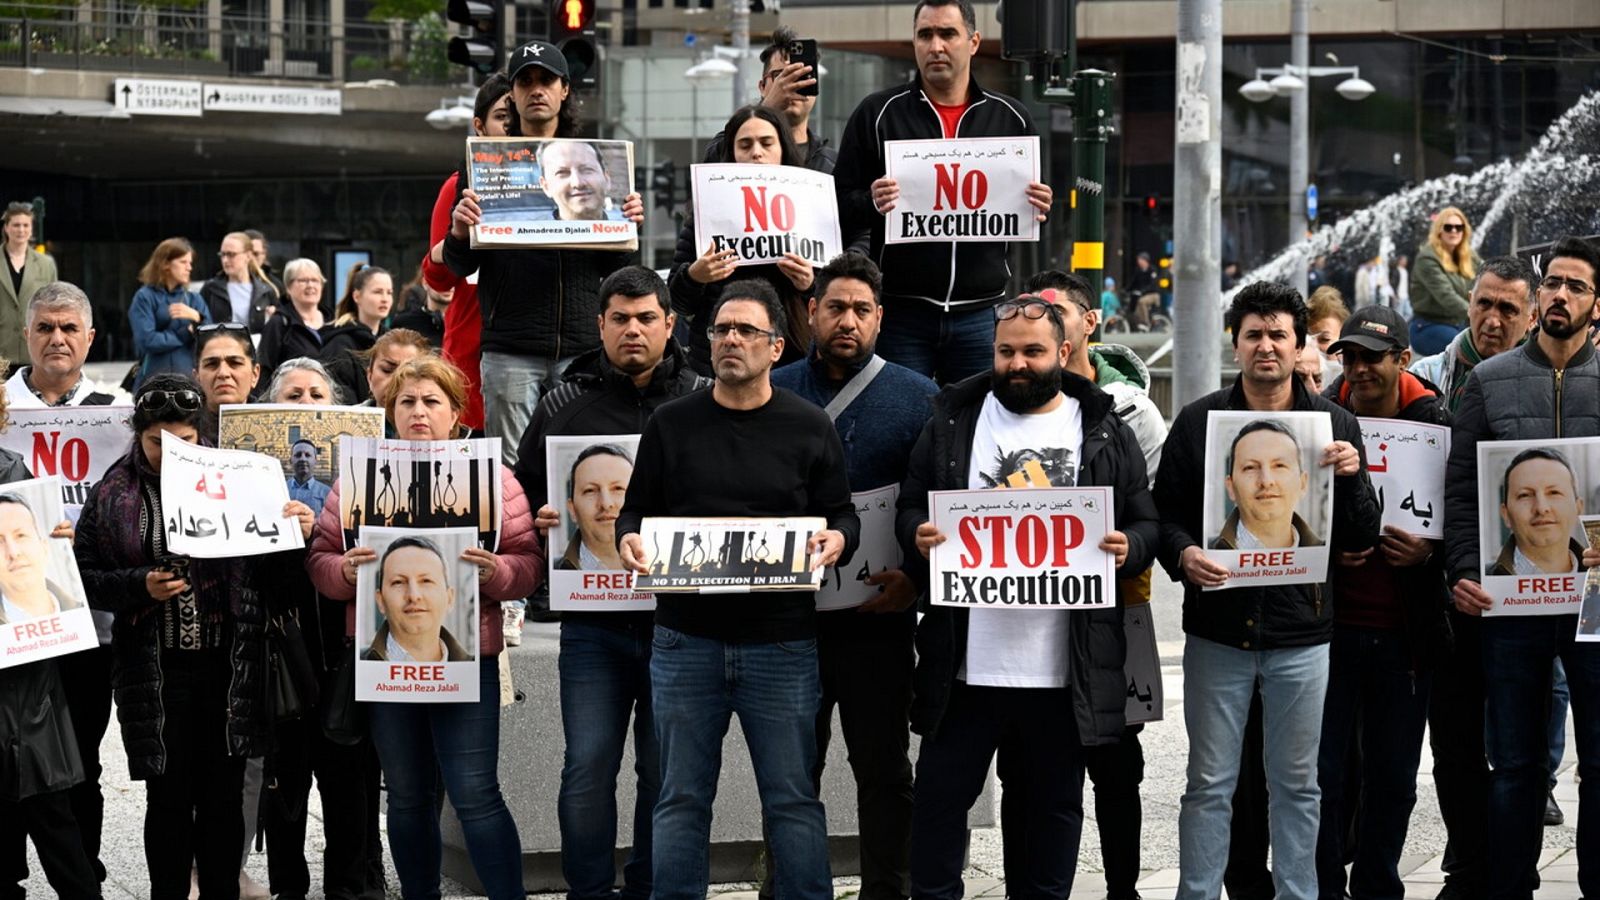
[572, 31]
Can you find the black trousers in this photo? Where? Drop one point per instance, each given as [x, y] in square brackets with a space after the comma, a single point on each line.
[347, 780]
[1036, 725]
[48, 820]
[1460, 766]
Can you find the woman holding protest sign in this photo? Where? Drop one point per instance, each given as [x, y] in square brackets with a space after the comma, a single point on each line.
[418, 743]
[760, 137]
[165, 312]
[188, 643]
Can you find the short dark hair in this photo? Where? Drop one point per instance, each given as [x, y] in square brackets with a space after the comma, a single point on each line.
[1075, 286]
[310, 444]
[1533, 453]
[1058, 325]
[170, 414]
[755, 290]
[634, 281]
[969, 15]
[782, 37]
[789, 153]
[1577, 248]
[591, 451]
[1272, 425]
[1508, 268]
[1268, 298]
[495, 85]
[423, 543]
[851, 264]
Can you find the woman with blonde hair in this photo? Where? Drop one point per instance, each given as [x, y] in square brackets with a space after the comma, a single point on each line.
[1441, 279]
[240, 292]
[165, 312]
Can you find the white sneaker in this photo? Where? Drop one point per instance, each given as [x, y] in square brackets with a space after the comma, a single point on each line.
[512, 626]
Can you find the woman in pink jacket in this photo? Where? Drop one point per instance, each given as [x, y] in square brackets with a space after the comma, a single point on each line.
[420, 742]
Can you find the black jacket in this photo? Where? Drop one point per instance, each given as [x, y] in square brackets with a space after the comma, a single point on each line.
[1110, 457]
[341, 349]
[286, 336]
[694, 301]
[942, 273]
[1271, 616]
[262, 295]
[427, 322]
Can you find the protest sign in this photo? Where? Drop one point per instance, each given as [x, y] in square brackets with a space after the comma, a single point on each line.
[417, 617]
[1589, 608]
[588, 481]
[1406, 461]
[1531, 497]
[76, 443]
[223, 503]
[1268, 499]
[43, 610]
[552, 193]
[420, 484]
[729, 555]
[763, 212]
[302, 437]
[1022, 548]
[879, 550]
[962, 189]
[1142, 667]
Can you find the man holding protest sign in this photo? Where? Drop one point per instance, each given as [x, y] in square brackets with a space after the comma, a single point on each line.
[1548, 388]
[605, 656]
[865, 652]
[741, 449]
[938, 294]
[1052, 676]
[1388, 630]
[1277, 634]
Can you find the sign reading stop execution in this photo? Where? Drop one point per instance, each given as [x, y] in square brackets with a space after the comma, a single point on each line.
[963, 189]
[763, 212]
[1036, 548]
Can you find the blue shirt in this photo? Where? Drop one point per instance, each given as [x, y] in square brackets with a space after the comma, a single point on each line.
[313, 493]
[880, 427]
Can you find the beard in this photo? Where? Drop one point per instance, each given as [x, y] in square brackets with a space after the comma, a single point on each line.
[1562, 330]
[863, 351]
[1035, 391]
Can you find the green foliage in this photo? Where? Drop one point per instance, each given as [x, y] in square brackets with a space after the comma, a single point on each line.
[410, 10]
[427, 61]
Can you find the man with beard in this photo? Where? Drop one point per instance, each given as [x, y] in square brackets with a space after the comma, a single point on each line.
[605, 656]
[573, 174]
[303, 485]
[1276, 635]
[1045, 685]
[744, 448]
[1546, 389]
[865, 654]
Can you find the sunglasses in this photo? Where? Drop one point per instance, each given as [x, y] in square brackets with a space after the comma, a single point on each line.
[221, 326]
[158, 401]
[1453, 227]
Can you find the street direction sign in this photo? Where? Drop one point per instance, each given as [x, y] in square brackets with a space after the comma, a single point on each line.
[272, 99]
[157, 96]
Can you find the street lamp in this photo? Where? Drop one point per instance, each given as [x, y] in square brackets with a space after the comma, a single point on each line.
[452, 115]
[712, 68]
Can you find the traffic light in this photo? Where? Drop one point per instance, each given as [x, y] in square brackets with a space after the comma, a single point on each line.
[1150, 203]
[572, 31]
[481, 50]
[664, 185]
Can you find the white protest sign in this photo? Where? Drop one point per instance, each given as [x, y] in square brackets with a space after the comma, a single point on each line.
[962, 189]
[1406, 461]
[77, 443]
[223, 503]
[587, 479]
[1142, 667]
[763, 212]
[417, 617]
[1531, 496]
[1022, 548]
[44, 612]
[421, 484]
[877, 552]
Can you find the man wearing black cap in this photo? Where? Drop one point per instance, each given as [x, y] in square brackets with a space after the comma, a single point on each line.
[1388, 626]
[539, 306]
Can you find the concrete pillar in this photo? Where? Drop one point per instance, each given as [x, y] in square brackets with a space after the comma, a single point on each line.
[214, 27]
[336, 38]
[1299, 130]
[1197, 203]
[275, 13]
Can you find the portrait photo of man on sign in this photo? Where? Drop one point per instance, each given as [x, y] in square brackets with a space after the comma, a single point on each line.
[1540, 503]
[27, 589]
[573, 175]
[1265, 478]
[596, 488]
[414, 590]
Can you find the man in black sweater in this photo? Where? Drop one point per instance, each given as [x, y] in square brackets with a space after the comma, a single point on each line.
[741, 449]
[605, 656]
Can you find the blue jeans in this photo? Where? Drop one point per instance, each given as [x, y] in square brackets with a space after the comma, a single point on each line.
[1517, 655]
[605, 681]
[512, 386]
[1560, 699]
[1375, 697]
[1218, 681]
[1429, 337]
[698, 684]
[945, 346]
[419, 742]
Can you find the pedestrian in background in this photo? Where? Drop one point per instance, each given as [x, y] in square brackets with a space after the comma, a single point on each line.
[29, 270]
[1441, 280]
[165, 312]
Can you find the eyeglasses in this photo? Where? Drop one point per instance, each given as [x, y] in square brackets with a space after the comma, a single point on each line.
[745, 332]
[1453, 227]
[221, 326]
[158, 401]
[1576, 288]
[1027, 306]
[230, 254]
[308, 280]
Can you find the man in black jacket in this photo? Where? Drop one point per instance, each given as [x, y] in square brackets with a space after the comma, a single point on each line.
[538, 306]
[1050, 679]
[605, 656]
[1275, 634]
[1388, 627]
[937, 296]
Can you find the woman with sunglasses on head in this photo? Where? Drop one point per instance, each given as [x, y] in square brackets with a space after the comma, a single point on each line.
[240, 292]
[418, 743]
[298, 328]
[1441, 280]
[758, 135]
[188, 642]
[165, 312]
[225, 364]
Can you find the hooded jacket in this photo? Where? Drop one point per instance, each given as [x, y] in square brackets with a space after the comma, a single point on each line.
[1121, 373]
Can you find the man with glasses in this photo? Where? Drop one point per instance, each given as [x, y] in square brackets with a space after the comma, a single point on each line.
[742, 448]
[1546, 389]
[1042, 686]
[1388, 629]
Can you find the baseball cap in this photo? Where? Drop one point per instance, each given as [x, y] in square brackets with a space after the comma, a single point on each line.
[1373, 328]
[537, 53]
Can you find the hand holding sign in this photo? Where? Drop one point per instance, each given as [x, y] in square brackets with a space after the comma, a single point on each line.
[1343, 457]
[928, 537]
[467, 214]
[1040, 195]
[885, 191]
[713, 265]
[897, 592]
[1403, 549]
[825, 547]
[797, 269]
[633, 208]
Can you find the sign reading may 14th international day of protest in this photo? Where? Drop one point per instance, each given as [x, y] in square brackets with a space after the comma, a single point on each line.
[966, 189]
[43, 611]
[222, 503]
[1268, 500]
[552, 193]
[1406, 461]
[417, 617]
[729, 555]
[76, 443]
[1532, 496]
[763, 212]
[587, 477]
[1022, 548]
